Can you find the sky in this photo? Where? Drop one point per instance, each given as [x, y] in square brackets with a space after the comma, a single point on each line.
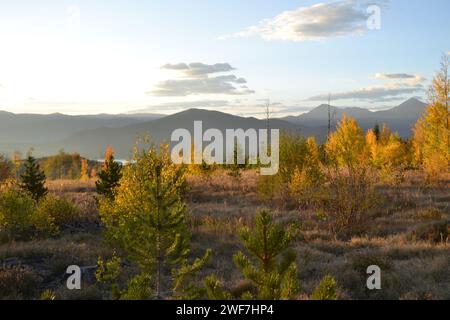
[111, 56]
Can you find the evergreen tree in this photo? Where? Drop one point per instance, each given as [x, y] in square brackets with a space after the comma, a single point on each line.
[147, 220]
[215, 290]
[33, 179]
[270, 267]
[376, 131]
[326, 290]
[109, 177]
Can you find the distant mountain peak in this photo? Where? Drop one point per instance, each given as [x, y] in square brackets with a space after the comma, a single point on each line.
[413, 100]
[400, 118]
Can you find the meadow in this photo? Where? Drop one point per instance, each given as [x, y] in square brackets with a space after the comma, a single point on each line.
[405, 237]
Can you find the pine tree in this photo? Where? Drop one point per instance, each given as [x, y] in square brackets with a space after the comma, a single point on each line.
[215, 290]
[33, 179]
[109, 177]
[147, 220]
[271, 266]
[376, 131]
[326, 290]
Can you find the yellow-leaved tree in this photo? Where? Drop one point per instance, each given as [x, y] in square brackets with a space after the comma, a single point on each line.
[346, 146]
[432, 132]
[306, 181]
[84, 170]
[350, 190]
[388, 153]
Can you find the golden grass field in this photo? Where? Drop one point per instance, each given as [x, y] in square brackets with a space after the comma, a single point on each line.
[404, 238]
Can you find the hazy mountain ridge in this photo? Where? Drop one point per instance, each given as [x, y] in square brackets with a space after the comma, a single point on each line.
[89, 135]
[401, 118]
[38, 128]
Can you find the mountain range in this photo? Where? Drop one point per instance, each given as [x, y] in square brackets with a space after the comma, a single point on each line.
[401, 118]
[89, 135]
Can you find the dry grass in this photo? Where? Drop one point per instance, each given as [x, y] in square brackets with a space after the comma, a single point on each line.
[406, 238]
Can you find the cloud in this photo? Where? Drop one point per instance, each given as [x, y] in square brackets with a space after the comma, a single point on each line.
[197, 80]
[199, 69]
[229, 85]
[178, 66]
[400, 77]
[316, 22]
[373, 94]
[394, 76]
[396, 87]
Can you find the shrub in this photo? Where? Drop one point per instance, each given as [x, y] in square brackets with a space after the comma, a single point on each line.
[327, 289]
[361, 261]
[270, 188]
[18, 283]
[436, 232]
[204, 171]
[293, 154]
[348, 201]
[298, 157]
[306, 183]
[20, 218]
[430, 213]
[59, 210]
[16, 213]
[45, 224]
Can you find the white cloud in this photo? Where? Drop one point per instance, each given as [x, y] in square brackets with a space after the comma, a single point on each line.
[397, 86]
[401, 78]
[197, 80]
[373, 94]
[319, 21]
[198, 68]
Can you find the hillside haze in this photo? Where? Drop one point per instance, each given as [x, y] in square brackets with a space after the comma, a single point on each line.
[401, 118]
[89, 135]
